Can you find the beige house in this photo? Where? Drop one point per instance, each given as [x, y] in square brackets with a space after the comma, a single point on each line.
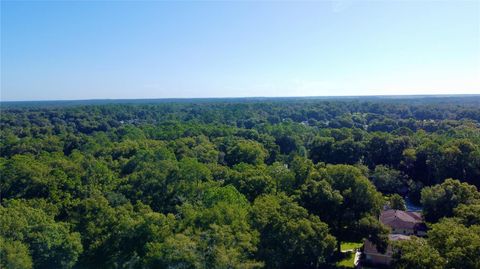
[373, 256]
[403, 224]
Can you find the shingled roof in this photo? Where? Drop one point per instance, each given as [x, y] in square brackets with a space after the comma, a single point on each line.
[369, 247]
[398, 219]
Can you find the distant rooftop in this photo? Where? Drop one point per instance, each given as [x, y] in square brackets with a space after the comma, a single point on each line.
[399, 219]
[398, 237]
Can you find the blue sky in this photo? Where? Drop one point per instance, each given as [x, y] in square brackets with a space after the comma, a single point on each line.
[89, 50]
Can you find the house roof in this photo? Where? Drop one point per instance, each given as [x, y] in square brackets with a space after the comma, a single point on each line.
[398, 237]
[398, 219]
[370, 248]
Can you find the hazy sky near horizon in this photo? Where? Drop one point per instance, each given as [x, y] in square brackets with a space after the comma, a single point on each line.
[150, 49]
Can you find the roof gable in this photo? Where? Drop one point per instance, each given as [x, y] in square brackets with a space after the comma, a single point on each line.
[398, 219]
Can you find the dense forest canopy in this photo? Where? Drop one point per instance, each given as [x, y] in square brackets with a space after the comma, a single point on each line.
[240, 183]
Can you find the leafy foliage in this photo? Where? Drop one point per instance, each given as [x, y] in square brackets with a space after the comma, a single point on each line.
[248, 183]
[416, 253]
[440, 200]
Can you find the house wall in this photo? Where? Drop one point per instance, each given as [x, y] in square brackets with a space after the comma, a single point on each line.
[372, 256]
[378, 259]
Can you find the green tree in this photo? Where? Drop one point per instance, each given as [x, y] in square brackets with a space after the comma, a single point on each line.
[388, 180]
[14, 255]
[51, 244]
[346, 151]
[458, 244]
[153, 185]
[302, 167]
[246, 151]
[178, 251]
[416, 253]
[440, 200]
[23, 176]
[341, 196]
[251, 180]
[397, 202]
[213, 234]
[289, 236]
[468, 214]
[114, 235]
[283, 177]
[321, 149]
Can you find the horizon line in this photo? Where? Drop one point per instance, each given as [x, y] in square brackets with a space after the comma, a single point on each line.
[250, 97]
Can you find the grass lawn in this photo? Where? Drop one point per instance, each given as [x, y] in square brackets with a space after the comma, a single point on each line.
[350, 246]
[348, 255]
[347, 261]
